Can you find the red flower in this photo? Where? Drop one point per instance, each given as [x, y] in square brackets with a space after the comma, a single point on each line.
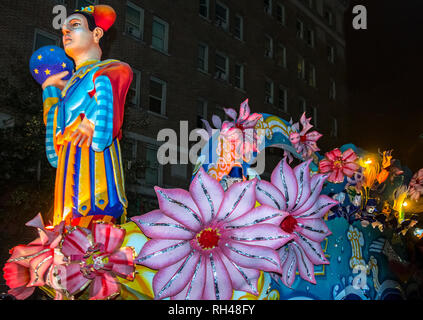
[339, 164]
[95, 259]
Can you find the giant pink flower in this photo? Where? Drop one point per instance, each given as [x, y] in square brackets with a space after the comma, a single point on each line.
[293, 191]
[416, 186]
[205, 243]
[96, 259]
[339, 165]
[30, 265]
[304, 142]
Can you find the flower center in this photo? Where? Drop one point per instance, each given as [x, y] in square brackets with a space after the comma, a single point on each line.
[303, 138]
[208, 238]
[337, 164]
[288, 224]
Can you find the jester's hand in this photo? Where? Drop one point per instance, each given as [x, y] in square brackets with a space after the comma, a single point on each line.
[84, 133]
[56, 80]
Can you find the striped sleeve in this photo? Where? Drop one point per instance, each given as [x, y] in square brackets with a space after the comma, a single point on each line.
[50, 103]
[103, 132]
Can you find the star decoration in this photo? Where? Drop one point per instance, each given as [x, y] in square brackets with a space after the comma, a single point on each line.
[47, 72]
[51, 50]
[36, 71]
[64, 65]
[40, 57]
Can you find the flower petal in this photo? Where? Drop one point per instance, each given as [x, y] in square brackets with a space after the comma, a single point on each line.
[178, 205]
[305, 267]
[325, 166]
[218, 282]
[283, 178]
[23, 254]
[259, 215]
[349, 156]
[195, 287]
[319, 208]
[242, 279]
[252, 257]
[316, 185]
[302, 175]
[231, 113]
[21, 293]
[72, 278]
[266, 235]
[122, 262]
[239, 199]
[15, 275]
[76, 243]
[333, 155]
[244, 111]
[313, 136]
[312, 249]
[207, 193]
[289, 268]
[251, 121]
[38, 268]
[268, 194]
[108, 235]
[104, 287]
[157, 253]
[217, 122]
[314, 229]
[157, 225]
[173, 279]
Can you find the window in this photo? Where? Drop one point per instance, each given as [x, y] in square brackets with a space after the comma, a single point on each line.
[239, 76]
[201, 112]
[268, 46]
[203, 57]
[152, 166]
[160, 34]
[222, 16]
[158, 96]
[134, 21]
[312, 111]
[310, 37]
[283, 99]
[301, 68]
[204, 8]
[334, 129]
[239, 27]
[311, 75]
[310, 4]
[134, 92]
[300, 29]
[281, 56]
[280, 13]
[331, 53]
[268, 6]
[328, 16]
[302, 106]
[332, 90]
[85, 3]
[222, 66]
[269, 92]
[42, 38]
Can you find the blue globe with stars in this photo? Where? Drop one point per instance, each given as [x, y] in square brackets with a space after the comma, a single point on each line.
[50, 60]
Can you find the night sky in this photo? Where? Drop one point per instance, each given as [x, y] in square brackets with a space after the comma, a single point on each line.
[385, 69]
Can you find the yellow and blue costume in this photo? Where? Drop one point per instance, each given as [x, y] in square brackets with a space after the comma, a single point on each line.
[89, 180]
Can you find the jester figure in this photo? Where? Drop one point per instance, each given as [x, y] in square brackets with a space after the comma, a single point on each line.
[84, 119]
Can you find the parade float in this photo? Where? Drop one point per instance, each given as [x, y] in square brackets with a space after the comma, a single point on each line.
[328, 226]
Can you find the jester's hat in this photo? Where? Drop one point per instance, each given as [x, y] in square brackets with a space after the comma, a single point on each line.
[104, 15]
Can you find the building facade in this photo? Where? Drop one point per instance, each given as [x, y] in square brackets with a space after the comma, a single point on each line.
[193, 58]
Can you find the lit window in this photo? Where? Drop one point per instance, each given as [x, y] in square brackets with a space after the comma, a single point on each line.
[42, 38]
[134, 90]
[239, 76]
[283, 99]
[158, 90]
[160, 34]
[239, 27]
[204, 8]
[222, 16]
[301, 68]
[134, 22]
[311, 76]
[268, 46]
[203, 57]
[269, 91]
[222, 66]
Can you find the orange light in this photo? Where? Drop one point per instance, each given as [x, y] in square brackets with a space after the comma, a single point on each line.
[368, 161]
[49, 227]
[405, 204]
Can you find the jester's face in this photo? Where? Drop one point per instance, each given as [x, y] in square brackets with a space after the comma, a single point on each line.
[78, 39]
